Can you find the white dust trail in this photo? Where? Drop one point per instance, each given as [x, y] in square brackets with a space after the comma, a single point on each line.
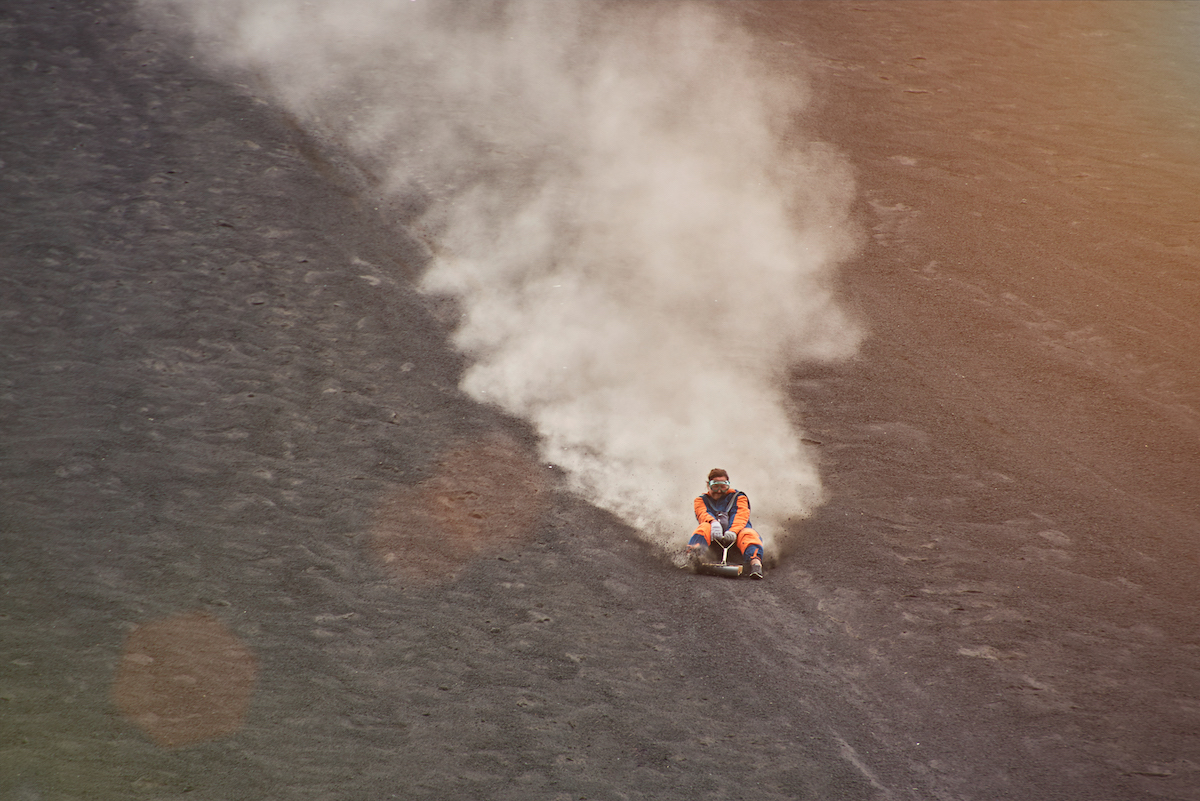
[638, 249]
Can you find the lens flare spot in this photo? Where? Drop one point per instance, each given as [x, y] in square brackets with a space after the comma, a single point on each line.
[184, 679]
[486, 497]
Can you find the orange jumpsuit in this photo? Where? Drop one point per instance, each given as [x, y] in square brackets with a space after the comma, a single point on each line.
[748, 541]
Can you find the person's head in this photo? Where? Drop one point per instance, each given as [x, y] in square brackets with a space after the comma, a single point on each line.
[718, 482]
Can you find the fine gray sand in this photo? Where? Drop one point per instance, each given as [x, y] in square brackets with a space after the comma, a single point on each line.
[257, 545]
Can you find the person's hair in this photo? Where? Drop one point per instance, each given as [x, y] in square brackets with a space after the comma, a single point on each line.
[716, 471]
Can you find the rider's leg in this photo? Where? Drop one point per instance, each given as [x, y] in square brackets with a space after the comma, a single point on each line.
[700, 537]
[750, 544]
[698, 544]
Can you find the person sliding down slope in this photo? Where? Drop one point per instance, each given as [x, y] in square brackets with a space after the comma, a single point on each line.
[723, 516]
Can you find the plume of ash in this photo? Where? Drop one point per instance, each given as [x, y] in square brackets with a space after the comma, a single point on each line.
[638, 252]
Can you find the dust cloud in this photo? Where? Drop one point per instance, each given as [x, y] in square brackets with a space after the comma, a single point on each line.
[617, 198]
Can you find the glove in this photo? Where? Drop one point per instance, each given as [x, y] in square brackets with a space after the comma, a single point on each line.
[722, 538]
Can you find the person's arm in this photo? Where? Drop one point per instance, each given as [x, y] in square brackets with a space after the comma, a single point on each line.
[702, 515]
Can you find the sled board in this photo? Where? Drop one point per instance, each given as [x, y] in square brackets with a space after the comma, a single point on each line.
[718, 569]
[716, 561]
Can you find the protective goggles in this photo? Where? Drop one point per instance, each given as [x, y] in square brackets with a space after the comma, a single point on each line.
[719, 482]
